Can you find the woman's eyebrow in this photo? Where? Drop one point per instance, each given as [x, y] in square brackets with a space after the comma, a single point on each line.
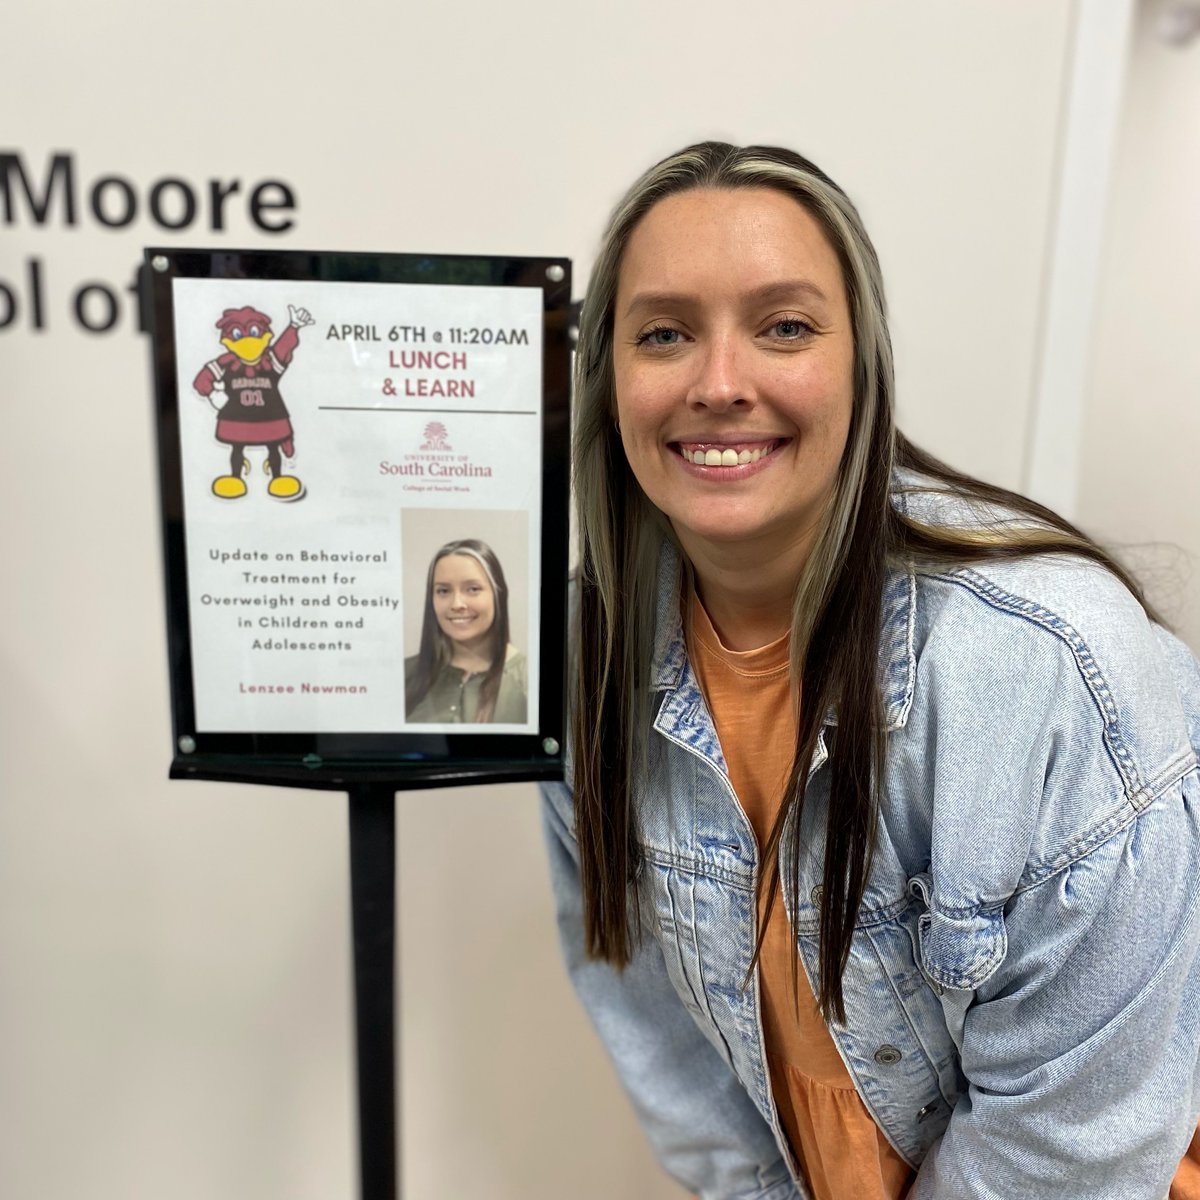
[784, 289]
[658, 300]
[788, 288]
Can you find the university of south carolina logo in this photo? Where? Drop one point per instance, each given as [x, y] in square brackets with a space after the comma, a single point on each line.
[435, 437]
[433, 466]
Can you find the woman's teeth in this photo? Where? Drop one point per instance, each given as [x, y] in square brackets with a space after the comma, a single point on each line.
[729, 457]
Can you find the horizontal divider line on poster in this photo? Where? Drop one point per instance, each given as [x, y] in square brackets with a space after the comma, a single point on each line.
[486, 412]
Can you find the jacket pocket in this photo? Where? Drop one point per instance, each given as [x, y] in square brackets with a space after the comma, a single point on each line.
[958, 948]
[677, 900]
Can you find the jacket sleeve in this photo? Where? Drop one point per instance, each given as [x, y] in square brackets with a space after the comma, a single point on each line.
[1080, 1050]
[703, 1126]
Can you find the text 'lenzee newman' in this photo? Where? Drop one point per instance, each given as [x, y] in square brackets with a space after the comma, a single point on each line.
[305, 689]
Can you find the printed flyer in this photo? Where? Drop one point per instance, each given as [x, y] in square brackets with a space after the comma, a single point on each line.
[362, 475]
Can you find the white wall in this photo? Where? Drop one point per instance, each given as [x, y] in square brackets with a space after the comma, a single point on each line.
[174, 988]
[1140, 482]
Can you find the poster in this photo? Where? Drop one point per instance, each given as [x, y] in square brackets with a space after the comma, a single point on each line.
[362, 489]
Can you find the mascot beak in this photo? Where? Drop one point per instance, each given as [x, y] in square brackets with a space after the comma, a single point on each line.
[248, 349]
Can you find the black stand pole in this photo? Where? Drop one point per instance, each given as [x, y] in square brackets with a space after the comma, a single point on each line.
[373, 903]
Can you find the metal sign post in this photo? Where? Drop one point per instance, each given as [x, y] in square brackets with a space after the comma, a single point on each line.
[373, 914]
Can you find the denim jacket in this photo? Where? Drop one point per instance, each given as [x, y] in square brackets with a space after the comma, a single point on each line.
[1022, 994]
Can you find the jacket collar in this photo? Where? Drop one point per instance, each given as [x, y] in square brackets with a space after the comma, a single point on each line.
[897, 657]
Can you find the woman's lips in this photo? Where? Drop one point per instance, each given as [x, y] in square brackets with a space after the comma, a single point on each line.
[726, 456]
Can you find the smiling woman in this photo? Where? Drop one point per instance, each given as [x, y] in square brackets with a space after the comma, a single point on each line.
[466, 670]
[732, 357]
[874, 766]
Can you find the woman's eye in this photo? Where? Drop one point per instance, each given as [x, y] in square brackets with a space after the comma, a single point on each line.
[660, 335]
[791, 329]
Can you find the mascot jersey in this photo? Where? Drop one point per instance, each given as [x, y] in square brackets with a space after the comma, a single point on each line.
[254, 414]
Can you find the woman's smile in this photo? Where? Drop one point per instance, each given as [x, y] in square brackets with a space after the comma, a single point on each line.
[727, 460]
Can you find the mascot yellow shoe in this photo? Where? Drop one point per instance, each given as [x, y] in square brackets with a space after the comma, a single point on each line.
[228, 487]
[285, 487]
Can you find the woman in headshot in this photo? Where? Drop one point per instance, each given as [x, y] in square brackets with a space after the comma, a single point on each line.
[876, 866]
[466, 671]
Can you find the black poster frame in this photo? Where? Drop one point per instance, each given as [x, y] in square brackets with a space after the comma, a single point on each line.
[336, 761]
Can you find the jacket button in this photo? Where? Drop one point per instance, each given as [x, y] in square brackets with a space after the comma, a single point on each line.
[816, 895]
[886, 1056]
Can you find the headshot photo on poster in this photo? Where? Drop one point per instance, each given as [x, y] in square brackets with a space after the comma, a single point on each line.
[467, 627]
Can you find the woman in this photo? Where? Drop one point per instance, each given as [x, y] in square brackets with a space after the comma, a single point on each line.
[466, 671]
[876, 870]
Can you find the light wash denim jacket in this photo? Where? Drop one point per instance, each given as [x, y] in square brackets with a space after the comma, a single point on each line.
[1022, 995]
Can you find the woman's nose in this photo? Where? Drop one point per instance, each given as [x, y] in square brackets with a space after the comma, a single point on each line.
[721, 381]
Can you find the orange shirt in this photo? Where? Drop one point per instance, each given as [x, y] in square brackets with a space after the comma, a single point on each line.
[841, 1151]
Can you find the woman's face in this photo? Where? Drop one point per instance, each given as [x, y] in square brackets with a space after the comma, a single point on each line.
[463, 600]
[733, 355]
